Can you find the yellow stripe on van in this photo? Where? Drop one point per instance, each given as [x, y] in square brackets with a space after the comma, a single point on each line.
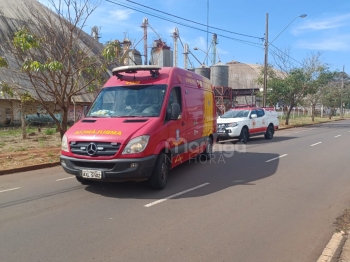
[208, 113]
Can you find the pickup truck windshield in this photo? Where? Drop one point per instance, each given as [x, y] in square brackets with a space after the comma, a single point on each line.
[128, 101]
[235, 114]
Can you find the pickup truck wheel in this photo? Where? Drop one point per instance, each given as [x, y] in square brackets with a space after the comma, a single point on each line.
[269, 132]
[208, 152]
[244, 135]
[159, 176]
[84, 181]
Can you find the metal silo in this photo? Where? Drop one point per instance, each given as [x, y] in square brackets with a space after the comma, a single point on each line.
[134, 58]
[219, 74]
[203, 71]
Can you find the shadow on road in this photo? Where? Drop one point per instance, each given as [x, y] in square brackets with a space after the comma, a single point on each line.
[258, 140]
[222, 172]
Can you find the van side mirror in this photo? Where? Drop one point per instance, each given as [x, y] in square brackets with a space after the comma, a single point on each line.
[253, 116]
[174, 111]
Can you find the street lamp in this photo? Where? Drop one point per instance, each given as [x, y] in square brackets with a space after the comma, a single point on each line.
[301, 16]
[267, 48]
[206, 54]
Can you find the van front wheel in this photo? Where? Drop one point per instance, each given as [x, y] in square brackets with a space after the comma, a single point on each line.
[160, 172]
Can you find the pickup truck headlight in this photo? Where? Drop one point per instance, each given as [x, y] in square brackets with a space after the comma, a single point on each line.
[136, 145]
[64, 146]
[232, 124]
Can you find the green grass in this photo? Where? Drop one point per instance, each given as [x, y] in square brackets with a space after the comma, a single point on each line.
[15, 132]
[49, 131]
[2, 144]
[299, 121]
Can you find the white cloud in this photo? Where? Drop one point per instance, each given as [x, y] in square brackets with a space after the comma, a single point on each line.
[339, 43]
[120, 14]
[324, 24]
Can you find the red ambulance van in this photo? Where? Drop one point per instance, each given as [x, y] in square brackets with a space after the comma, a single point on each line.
[145, 121]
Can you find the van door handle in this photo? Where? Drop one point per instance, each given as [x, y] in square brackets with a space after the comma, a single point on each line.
[183, 123]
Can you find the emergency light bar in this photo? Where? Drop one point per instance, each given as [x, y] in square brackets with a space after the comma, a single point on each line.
[154, 70]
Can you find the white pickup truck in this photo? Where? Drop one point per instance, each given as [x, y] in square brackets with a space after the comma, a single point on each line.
[246, 121]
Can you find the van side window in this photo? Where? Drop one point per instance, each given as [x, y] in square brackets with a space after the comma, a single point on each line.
[175, 97]
[260, 112]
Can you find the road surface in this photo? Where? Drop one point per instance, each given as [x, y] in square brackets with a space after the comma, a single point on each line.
[270, 201]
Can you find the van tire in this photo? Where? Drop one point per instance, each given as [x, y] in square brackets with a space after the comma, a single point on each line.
[208, 152]
[269, 132]
[159, 177]
[84, 181]
[244, 136]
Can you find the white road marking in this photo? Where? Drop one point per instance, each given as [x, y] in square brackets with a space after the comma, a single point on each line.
[6, 190]
[65, 178]
[296, 132]
[175, 195]
[316, 144]
[338, 136]
[276, 158]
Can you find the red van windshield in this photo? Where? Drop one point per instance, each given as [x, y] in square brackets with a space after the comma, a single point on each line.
[133, 100]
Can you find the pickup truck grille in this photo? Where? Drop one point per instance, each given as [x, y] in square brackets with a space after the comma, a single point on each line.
[96, 148]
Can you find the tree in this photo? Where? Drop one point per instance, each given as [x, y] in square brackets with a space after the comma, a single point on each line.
[319, 76]
[337, 91]
[55, 58]
[289, 89]
[293, 86]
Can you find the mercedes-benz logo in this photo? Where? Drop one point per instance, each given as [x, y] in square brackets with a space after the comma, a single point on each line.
[91, 149]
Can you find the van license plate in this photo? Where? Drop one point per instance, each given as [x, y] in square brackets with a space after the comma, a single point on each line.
[96, 174]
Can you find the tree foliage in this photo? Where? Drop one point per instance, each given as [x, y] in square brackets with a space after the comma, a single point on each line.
[54, 59]
[294, 86]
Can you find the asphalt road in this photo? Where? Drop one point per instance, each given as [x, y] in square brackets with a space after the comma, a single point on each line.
[271, 201]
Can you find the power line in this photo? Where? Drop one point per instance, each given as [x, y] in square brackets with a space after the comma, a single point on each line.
[194, 21]
[286, 54]
[255, 44]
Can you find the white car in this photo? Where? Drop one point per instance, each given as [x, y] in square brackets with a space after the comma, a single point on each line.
[247, 121]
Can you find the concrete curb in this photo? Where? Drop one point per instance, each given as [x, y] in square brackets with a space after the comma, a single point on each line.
[345, 252]
[28, 168]
[333, 249]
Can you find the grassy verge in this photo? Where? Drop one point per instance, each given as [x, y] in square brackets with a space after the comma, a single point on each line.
[15, 131]
[300, 121]
[342, 223]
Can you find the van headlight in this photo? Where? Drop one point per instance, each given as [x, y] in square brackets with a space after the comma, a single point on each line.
[64, 146]
[233, 124]
[136, 145]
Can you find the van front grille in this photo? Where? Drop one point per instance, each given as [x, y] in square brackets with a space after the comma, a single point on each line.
[98, 148]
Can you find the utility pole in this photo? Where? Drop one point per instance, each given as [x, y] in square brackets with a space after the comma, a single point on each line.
[207, 28]
[266, 58]
[341, 94]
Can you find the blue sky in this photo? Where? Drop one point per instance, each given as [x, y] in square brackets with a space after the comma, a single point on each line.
[326, 28]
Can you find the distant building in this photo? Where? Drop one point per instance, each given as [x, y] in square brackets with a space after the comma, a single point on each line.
[161, 55]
